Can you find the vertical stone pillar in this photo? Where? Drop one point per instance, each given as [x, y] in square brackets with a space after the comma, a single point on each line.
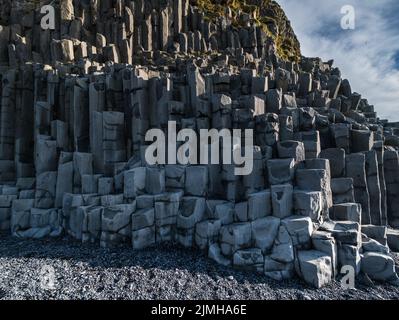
[391, 167]
[373, 185]
[7, 119]
[379, 148]
[356, 169]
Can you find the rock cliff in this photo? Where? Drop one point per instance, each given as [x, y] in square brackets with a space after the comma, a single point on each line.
[78, 100]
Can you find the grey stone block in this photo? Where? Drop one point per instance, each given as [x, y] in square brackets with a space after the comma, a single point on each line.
[259, 205]
[314, 267]
[134, 182]
[291, 149]
[235, 237]
[283, 249]
[379, 266]
[143, 218]
[300, 230]
[196, 183]
[280, 171]
[264, 232]
[308, 204]
[282, 200]
[207, 233]
[155, 180]
[249, 259]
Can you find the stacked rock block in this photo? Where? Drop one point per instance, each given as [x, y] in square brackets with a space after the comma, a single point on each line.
[125, 31]
[323, 190]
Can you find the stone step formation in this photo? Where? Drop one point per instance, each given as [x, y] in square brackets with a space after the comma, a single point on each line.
[77, 101]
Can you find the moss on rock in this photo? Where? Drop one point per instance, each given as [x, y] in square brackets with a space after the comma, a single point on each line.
[265, 13]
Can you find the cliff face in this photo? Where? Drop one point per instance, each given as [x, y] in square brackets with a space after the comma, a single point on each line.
[151, 25]
[265, 13]
[78, 101]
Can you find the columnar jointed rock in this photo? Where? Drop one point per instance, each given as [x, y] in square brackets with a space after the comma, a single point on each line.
[77, 103]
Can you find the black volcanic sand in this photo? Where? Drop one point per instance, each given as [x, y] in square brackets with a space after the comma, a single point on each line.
[165, 272]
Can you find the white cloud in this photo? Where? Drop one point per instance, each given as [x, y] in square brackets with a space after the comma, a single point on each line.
[365, 55]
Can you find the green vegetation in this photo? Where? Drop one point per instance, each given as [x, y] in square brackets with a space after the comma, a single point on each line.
[265, 13]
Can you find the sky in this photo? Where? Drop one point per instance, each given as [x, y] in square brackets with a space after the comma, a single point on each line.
[368, 56]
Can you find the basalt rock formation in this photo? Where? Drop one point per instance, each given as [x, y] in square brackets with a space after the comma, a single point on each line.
[77, 102]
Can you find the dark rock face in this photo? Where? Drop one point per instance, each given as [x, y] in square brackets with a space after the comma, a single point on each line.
[77, 102]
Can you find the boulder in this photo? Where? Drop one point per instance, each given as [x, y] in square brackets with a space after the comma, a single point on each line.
[314, 267]
[379, 266]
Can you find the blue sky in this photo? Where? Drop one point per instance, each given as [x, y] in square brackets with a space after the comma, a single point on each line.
[368, 56]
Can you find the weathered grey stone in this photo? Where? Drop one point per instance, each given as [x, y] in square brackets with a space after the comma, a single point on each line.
[282, 200]
[206, 233]
[373, 187]
[143, 218]
[224, 212]
[143, 238]
[378, 233]
[379, 266]
[355, 169]
[300, 229]
[336, 156]
[314, 267]
[111, 200]
[134, 182]
[393, 239]
[91, 225]
[249, 259]
[274, 101]
[105, 185]
[305, 83]
[259, 205]
[283, 249]
[391, 170]
[116, 224]
[291, 149]
[277, 270]
[349, 256]
[82, 164]
[342, 190]
[196, 183]
[308, 204]
[341, 136]
[215, 254]
[264, 232]
[155, 180]
[90, 183]
[235, 237]
[280, 171]
[346, 232]
[241, 212]
[312, 179]
[191, 211]
[45, 190]
[362, 140]
[175, 176]
[325, 242]
[346, 212]
[371, 245]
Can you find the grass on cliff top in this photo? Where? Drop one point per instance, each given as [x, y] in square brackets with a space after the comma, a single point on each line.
[265, 13]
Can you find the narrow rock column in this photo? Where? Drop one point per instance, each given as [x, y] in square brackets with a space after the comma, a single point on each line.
[373, 186]
[356, 169]
[391, 165]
